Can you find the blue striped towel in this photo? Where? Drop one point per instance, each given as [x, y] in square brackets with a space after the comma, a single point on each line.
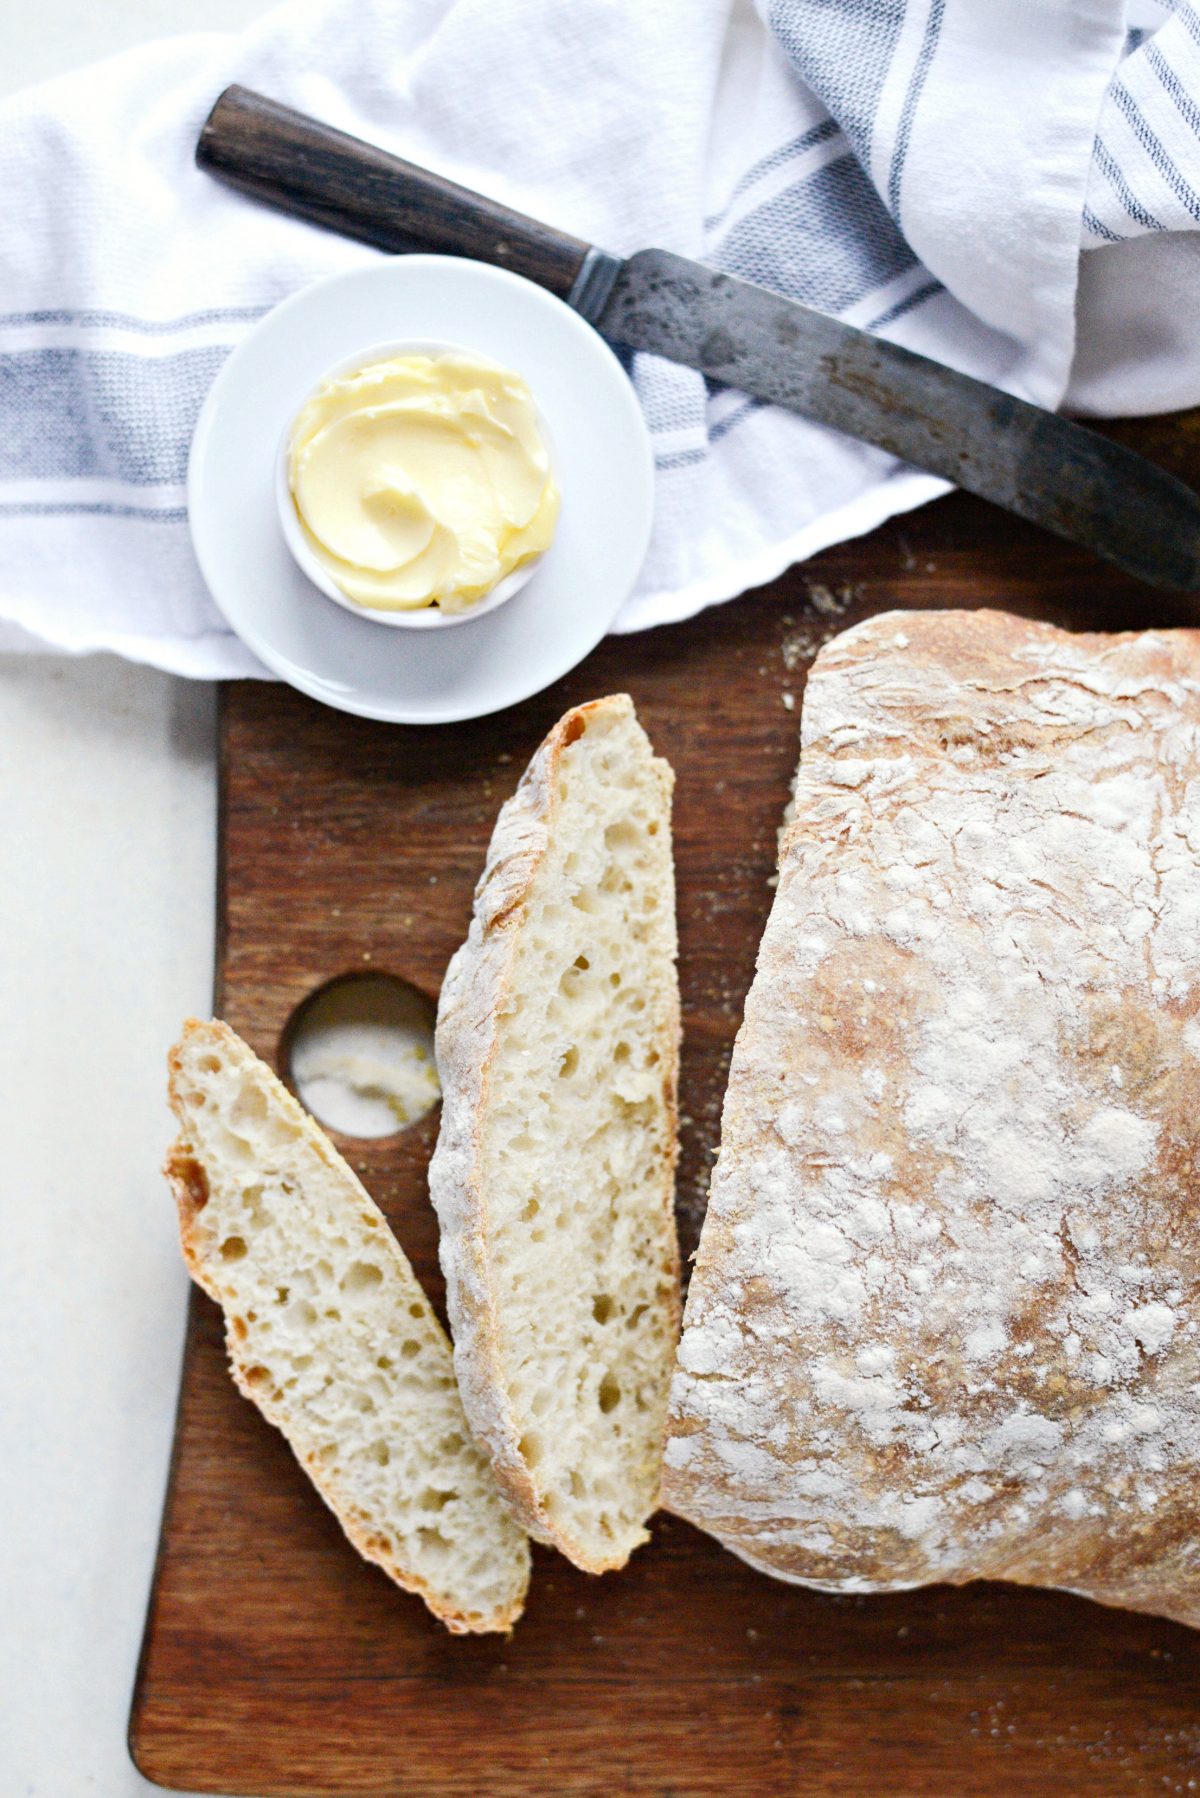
[1012, 186]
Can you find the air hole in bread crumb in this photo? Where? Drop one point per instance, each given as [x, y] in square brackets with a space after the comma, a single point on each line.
[621, 1052]
[410, 1350]
[602, 1307]
[384, 1361]
[327, 1453]
[569, 1063]
[614, 978]
[361, 1276]
[416, 1310]
[433, 1540]
[529, 1211]
[530, 1448]
[609, 1395]
[381, 1452]
[452, 1444]
[210, 1064]
[581, 961]
[577, 1486]
[254, 1376]
[434, 1500]
[252, 1201]
[238, 1326]
[233, 1248]
[250, 1107]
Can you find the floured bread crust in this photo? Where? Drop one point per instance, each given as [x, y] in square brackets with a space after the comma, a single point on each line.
[944, 1320]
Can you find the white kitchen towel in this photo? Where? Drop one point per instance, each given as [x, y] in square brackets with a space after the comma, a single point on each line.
[925, 168]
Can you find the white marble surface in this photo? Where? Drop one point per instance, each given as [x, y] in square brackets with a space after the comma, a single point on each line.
[107, 795]
[106, 917]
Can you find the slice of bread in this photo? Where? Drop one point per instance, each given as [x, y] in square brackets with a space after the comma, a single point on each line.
[332, 1337]
[558, 1050]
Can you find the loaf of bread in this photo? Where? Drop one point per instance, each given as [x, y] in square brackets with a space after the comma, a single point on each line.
[945, 1319]
[332, 1337]
[557, 1047]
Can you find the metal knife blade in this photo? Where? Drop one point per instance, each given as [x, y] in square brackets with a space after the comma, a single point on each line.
[1070, 480]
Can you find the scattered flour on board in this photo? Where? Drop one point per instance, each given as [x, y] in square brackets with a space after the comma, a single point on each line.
[827, 607]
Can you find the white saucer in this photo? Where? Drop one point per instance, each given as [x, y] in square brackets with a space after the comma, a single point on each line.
[602, 461]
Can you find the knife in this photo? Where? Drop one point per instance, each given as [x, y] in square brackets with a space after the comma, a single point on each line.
[1070, 480]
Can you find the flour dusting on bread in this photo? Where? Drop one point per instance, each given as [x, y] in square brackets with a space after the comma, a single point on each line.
[944, 1321]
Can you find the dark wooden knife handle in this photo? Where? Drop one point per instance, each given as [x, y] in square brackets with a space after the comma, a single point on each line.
[332, 179]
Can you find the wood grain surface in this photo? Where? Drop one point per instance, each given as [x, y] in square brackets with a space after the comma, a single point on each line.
[276, 1662]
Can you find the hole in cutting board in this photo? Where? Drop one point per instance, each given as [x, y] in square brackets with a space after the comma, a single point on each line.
[359, 1052]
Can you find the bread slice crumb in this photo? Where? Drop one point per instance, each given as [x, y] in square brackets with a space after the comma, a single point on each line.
[331, 1336]
[558, 1047]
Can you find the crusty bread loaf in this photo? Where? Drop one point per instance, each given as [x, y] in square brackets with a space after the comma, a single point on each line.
[557, 1047]
[945, 1318]
[332, 1337]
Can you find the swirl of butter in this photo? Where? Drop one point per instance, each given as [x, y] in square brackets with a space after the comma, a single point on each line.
[422, 480]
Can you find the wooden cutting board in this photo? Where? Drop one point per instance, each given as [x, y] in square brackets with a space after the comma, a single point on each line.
[274, 1660]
